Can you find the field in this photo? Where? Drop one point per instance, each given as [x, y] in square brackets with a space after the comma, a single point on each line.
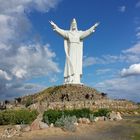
[127, 129]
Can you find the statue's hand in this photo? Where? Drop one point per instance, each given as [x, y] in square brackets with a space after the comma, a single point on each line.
[95, 25]
[53, 25]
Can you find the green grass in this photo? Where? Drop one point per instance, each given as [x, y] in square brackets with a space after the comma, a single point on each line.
[136, 136]
[22, 116]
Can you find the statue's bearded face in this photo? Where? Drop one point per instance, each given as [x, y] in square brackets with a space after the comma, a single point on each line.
[74, 27]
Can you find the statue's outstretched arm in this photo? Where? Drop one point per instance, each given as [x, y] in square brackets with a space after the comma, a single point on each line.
[89, 31]
[58, 30]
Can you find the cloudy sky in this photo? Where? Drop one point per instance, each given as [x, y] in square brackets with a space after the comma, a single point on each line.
[32, 56]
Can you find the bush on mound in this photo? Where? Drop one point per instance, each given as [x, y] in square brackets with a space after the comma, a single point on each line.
[22, 116]
[102, 112]
[51, 116]
[67, 123]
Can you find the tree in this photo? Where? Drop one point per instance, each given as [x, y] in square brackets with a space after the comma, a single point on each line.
[104, 94]
[18, 100]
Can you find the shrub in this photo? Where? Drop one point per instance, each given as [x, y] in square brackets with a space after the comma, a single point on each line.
[51, 116]
[18, 100]
[28, 102]
[46, 119]
[67, 123]
[60, 122]
[138, 103]
[17, 116]
[91, 117]
[79, 113]
[102, 112]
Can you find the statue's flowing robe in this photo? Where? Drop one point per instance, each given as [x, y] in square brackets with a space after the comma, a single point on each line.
[74, 52]
[73, 46]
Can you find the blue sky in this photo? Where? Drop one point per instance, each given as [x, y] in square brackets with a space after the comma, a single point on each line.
[32, 55]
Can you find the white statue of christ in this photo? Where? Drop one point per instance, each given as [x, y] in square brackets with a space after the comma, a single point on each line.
[73, 46]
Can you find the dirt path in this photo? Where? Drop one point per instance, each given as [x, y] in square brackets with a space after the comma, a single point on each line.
[127, 129]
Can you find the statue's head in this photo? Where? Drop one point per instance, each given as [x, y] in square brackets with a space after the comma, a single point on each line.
[73, 26]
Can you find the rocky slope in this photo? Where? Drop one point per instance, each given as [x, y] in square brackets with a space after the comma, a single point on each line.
[65, 93]
[74, 96]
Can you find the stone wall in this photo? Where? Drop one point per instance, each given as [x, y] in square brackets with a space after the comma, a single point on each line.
[93, 105]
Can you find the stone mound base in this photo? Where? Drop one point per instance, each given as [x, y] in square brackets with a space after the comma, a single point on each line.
[65, 93]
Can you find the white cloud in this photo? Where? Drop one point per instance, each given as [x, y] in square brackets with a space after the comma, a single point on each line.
[53, 78]
[122, 8]
[102, 71]
[129, 58]
[132, 70]
[31, 60]
[18, 72]
[20, 61]
[88, 61]
[6, 31]
[16, 6]
[13, 17]
[13, 27]
[130, 55]
[19, 89]
[4, 75]
[135, 49]
[104, 59]
[110, 58]
[123, 88]
[138, 35]
[138, 29]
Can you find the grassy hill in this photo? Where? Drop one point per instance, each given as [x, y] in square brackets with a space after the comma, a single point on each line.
[65, 93]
